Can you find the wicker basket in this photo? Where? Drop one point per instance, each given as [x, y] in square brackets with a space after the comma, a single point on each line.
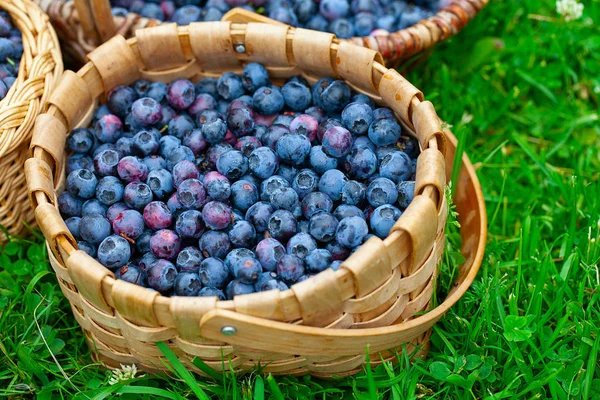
[378, 291]
[84, 24]
[39, 72]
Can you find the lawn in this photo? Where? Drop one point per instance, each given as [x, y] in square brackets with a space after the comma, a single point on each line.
[521, 88]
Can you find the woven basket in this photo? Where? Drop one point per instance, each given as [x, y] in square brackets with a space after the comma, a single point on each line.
[40, 69]
[378, 291]
[84, 24]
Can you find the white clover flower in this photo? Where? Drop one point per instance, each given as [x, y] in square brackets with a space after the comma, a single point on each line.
[126, 373]
[569, 9]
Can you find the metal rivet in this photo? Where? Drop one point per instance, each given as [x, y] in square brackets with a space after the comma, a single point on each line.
[240, 48]
[228, 330]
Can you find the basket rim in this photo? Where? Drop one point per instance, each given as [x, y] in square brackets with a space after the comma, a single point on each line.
[41, 58]
[428, 134]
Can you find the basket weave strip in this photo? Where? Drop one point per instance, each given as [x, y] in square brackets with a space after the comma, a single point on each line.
[85, 24]
[40, 68]
[378, 291]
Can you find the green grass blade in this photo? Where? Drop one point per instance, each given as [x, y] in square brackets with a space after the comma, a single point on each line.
[181, 371]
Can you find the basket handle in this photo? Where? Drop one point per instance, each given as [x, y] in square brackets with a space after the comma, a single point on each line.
[96, 16]
[274, 336]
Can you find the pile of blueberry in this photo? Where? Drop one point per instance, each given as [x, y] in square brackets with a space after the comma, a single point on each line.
[345, 18]
[234, 185]
[11, 50]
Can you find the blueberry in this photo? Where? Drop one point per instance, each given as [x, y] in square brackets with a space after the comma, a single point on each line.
[334, 9]
[258, 215]
[161, 276]
[88, 248]
[81, 140]
[114, 252]
[364, 141]
[124, 145]
[132, 169]
[317, 23]
[137, 195]
[181, 93]
[160, 182]
[354, 193]
[109, 190]
[146, 111]
[73, 225]
[120, 100]
[105, 162]
[157, 91]
[214, 244]
[212, 292]
[325, 125]
[236, 255]
[230, 86]
[217, 186]
[316, 112]
[290, 268]
[216, 215]
[214, 131]
[284, 15]
[332, 182]
[263, 162]
[338, 252]
[383, 218]
[282, 225]
[305, 182]
[351, 231]
[214, 152]
[345, 210]
[269, 251]
[384, 131]
[254, 76]
[208, 86]
[233, 164]
[202, 102]
[273, 134]
[189, 224]
[144, 143]
[284, 198]
[266, 281]
[112, 211]
[267, 100]
[396, 166]
[296, 96]
[238, 288]
[180, 125]
[189, 259]
[357, 118]
[167, 144]
[301, 245]
[243, 195]
[323, 226]
[337, 141]
[283, 119]
[108, 129]
[79, 161]
[82, 183]
[316, 202]
[247, 270]
[382, 191]
[364, 99]
[142, 243]
[318, 260]
[242, 234]
[343, 29]
[213, 273]
[165, 243]
[406, 193]
[141, 87]
[335, 265]
[361, 163]
[240, 121]
[321, 162]
[293, 148]
[191, 193]
[183, 171]
[247, 144]
[187, 284]
[335, 96]
[129, 224]
[364, 23]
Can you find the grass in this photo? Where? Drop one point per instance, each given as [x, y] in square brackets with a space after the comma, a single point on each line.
[521, 88]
